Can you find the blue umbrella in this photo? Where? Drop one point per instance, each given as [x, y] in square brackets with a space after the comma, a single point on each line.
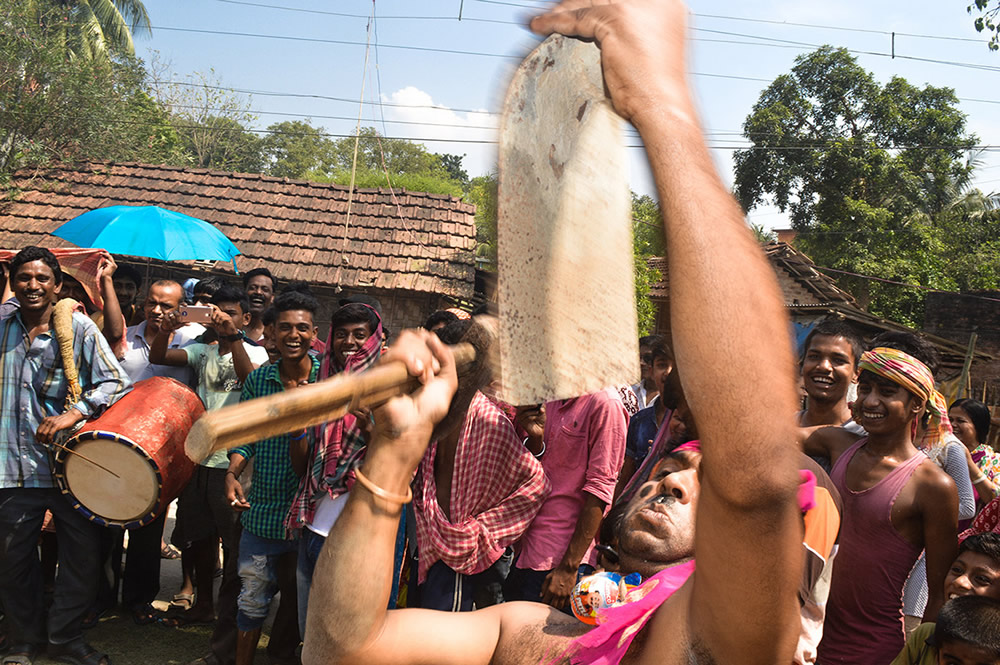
[151, 232]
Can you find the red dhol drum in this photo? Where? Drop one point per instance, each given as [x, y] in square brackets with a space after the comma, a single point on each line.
[139, 439]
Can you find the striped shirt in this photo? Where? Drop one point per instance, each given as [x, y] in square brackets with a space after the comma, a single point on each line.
[274, 483]
[34, 388]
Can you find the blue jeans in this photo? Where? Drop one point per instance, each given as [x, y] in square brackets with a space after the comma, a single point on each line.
[259, 576]
[310, 545]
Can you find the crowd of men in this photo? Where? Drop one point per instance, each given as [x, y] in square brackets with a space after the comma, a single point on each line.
[827, 509]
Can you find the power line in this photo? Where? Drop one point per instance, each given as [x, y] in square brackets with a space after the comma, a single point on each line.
[363, 16]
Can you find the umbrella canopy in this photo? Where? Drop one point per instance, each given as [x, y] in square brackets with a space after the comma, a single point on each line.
[149, 231]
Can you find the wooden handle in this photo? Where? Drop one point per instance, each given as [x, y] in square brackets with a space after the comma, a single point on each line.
[293, 410]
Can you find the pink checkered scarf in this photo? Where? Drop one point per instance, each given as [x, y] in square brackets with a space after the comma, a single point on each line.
[338, 446]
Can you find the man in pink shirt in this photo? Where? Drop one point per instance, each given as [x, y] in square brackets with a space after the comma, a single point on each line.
[581, 449]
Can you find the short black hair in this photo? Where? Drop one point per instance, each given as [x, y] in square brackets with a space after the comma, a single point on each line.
[974, 620]
[658, 346]
[35, 253]
[250, 274]
[229, 293]
[440, 316]
[648, 340]
[209, 286]
[294, 300]
[128, 272]
[355, 313]
[834, 328]
[298, 285]
[987, 544]
[269, 316]
[979, 414]
[909, 343]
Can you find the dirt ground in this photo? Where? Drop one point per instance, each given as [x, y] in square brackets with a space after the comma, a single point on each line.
[129, 644]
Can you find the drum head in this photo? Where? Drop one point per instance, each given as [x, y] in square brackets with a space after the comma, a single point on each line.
[130, 496]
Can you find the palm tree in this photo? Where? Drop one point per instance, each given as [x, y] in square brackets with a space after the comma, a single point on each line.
[94, 29]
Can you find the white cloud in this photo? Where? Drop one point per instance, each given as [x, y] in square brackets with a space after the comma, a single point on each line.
[417, 106]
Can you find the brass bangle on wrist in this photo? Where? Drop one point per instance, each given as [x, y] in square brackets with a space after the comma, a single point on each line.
[381, 493]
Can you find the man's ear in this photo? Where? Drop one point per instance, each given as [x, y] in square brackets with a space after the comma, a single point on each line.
[246, 319]
[56, 291]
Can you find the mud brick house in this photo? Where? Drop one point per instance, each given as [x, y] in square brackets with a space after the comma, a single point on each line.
[413, 251]
[811, 297]
[957, 316]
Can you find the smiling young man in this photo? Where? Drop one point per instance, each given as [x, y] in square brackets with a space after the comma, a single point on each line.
[829, 366]
[268, 550]
[33, 412]
[897, 502]
[976, 572]
[327, 465]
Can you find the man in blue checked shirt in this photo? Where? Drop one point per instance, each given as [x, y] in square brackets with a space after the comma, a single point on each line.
[31, 415]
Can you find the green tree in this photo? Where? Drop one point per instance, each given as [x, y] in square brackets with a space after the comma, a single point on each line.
[453, 165]
[93, 29]
[214, 123]
[986, 12]
[483, 194]
[295, 149]
[56, 109]
[647, 242]
[862, 168]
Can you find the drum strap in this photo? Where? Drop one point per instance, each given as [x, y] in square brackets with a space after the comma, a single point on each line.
[62, 325]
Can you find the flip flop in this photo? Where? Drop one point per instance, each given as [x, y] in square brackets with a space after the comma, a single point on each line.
[183, 600]
[170, 552]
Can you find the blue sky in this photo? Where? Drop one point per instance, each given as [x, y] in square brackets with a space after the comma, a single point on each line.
[457, 92]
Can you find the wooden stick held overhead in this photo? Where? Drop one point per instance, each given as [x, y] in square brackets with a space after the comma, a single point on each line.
[309, 405]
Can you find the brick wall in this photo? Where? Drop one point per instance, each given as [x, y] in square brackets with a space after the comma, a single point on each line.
[956, 317]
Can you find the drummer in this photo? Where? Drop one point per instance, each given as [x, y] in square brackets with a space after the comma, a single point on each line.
[32, 412]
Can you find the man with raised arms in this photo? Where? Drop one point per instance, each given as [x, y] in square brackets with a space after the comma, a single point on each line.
[740, 605]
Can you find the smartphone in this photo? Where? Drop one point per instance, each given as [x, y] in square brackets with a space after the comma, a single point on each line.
[196, 313]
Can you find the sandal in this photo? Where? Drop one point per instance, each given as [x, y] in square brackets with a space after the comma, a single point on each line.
[145, 614]
[78, 653]
[20, 654]
[177, 618]
[185, 601]
[170, 552]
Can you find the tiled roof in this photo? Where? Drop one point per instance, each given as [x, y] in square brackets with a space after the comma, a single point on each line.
[412, 241]
[801, 283]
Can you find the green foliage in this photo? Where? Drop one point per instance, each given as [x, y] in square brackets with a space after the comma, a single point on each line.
[55, 108]
[213, 124]
[414, 182]
[865, 171]
[647, 242]
[482, 193]
[986, 12]
[295, 148]
[453, 165]
[91, 29]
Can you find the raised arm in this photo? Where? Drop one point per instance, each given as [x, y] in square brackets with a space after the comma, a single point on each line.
[730, 337]
[114, 320]
[160, 352]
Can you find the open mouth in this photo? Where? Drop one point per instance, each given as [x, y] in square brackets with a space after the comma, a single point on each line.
[33, 298]
[822, 381]
[872, 415]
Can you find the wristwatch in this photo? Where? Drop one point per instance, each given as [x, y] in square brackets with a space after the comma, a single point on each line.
[233, 337]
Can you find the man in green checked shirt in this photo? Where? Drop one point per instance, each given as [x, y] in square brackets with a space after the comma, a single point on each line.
[267, 551]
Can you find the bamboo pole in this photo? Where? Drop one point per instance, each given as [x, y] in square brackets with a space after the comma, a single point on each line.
[317, 403]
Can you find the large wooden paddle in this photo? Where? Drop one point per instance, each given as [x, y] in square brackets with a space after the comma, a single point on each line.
[567, 300]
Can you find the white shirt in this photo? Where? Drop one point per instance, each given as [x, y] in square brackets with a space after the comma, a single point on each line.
[136, 358]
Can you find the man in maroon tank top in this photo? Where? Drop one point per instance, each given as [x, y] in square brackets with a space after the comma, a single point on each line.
[896, 503]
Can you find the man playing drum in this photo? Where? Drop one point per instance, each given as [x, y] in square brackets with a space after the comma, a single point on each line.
[33, 410]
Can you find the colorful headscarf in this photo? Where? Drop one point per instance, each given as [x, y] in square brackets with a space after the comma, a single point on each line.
[338, 446]
[907, 371]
